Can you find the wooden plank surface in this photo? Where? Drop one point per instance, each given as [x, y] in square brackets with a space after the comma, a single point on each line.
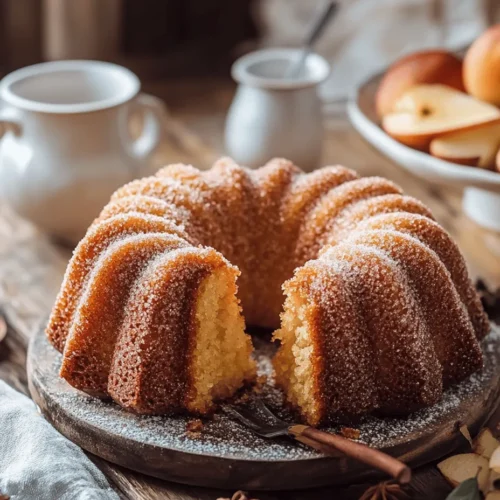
[32, 266]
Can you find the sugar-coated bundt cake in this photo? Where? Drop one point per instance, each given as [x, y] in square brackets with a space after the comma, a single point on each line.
[379, 313]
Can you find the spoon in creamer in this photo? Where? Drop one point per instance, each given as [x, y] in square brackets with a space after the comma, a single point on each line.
[326, 15]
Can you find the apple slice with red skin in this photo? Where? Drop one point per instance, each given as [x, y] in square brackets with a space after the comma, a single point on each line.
[427, 66]
[476, 147]
[459, 468]
[425, 112]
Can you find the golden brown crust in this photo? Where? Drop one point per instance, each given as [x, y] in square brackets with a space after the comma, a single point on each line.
[371, 252]
[150, 370]
[437, 299]
[432, 235]
[407, 371]
[97, 322]
[350, 218]
[96, 241]
[343, 365]
[318, 222]
[143, 205]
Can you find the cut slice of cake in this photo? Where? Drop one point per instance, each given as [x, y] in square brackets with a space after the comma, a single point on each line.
[182, 346]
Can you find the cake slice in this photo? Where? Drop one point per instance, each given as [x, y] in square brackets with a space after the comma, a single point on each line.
[98, 318]
[182, 345]
[353, 340]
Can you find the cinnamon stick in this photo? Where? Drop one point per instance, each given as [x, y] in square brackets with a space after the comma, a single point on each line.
[328, 443]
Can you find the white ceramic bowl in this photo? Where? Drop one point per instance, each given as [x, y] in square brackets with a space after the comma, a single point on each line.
[481, 201]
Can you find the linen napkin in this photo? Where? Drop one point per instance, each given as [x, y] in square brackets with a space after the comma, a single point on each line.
[367, 35]
[37, 462]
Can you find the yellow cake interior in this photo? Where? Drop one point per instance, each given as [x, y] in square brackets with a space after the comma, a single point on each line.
[293, 362]
[221, 360]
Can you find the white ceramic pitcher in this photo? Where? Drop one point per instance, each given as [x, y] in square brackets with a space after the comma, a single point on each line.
[274, 116]
[66, 144]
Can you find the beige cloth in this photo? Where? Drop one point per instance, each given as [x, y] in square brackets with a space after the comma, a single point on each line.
[367, 35]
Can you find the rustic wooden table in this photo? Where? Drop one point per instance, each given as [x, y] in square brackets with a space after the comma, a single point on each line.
[32, 266]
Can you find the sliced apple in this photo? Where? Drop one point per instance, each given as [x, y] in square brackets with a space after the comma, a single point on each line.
[458, 468]
[476, 146]
[495, 460]
[427, 111]
[464, 430]
[428, 66]
[494, 481]
[485, 443]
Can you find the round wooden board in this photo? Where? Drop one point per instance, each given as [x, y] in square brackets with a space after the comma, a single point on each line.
[227, 455]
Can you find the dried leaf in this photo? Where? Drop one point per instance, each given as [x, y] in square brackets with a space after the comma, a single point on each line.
[467, 490]
[466, 434]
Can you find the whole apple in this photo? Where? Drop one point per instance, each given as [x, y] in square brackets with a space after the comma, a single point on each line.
[482, 67]
[426, 67]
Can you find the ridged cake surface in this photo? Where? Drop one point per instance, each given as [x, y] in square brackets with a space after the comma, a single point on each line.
[377, 309]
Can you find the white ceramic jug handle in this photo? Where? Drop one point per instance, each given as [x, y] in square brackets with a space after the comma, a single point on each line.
[10, 120]
[155, 120]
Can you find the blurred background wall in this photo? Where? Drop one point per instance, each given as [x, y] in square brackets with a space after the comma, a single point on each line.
[152, 37]
[166, 38]
[367, 35]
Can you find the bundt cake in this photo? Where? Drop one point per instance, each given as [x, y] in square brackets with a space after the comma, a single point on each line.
[379, 313]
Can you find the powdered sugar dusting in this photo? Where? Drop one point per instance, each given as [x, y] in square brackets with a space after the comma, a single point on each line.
[222, 437]
[389, 271]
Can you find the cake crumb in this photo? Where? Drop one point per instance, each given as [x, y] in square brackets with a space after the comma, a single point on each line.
[224, 437]
[260, 384]
[350, 433]
[242, 398]
[194, 428]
